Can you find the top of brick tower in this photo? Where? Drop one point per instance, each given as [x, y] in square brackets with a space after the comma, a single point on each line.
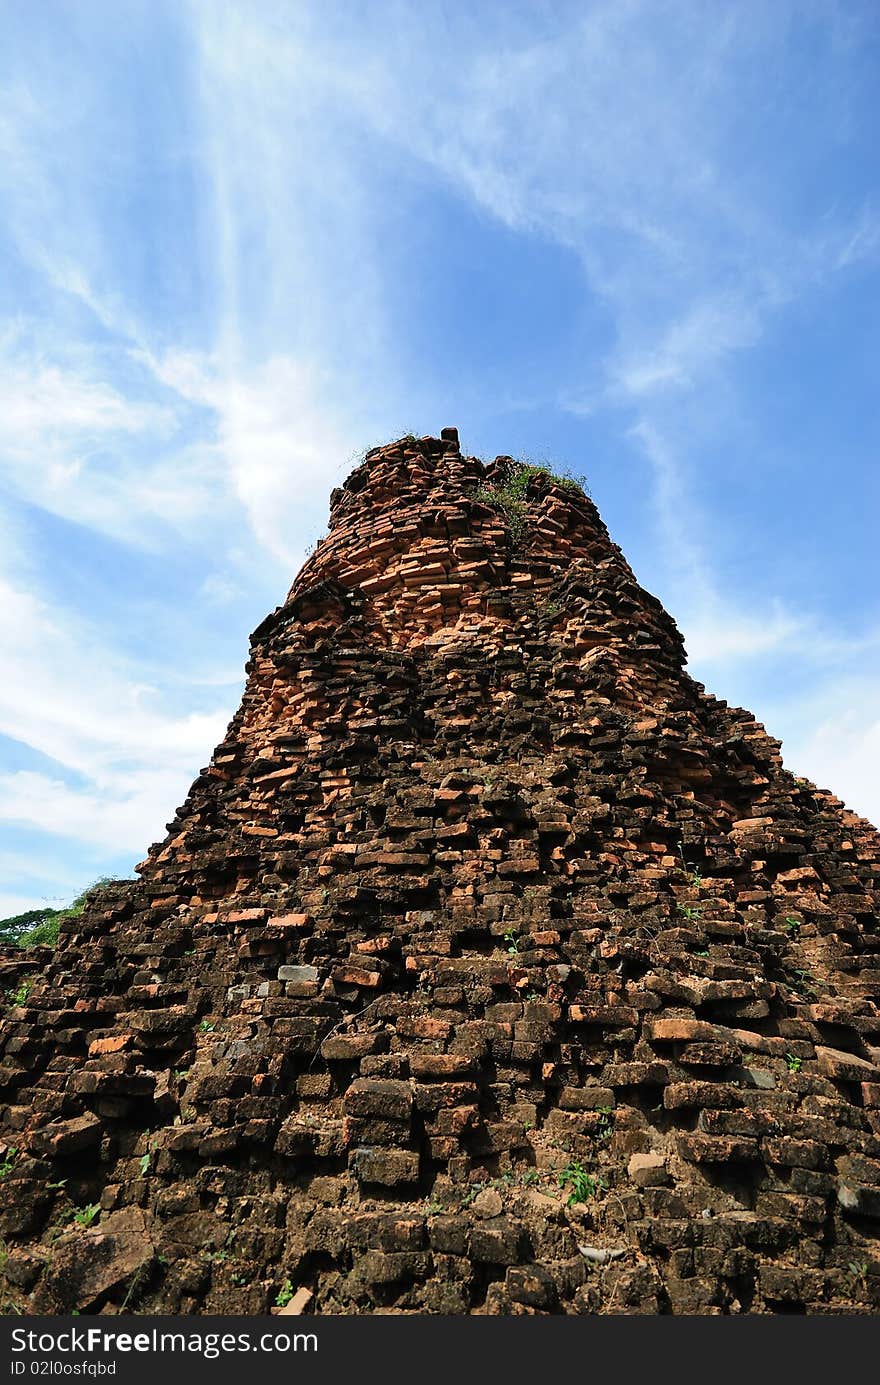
[429, 545]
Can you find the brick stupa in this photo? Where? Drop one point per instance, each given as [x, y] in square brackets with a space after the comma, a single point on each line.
[492, 966]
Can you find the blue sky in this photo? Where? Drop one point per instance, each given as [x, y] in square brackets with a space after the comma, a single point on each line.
[240, 243]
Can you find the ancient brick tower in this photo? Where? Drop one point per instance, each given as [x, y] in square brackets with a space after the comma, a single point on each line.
[492, 965]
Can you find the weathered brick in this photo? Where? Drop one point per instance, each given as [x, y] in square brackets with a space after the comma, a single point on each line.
[389, 1167]
[388, 1099]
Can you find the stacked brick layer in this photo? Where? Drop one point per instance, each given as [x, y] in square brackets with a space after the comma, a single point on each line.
[480, 892]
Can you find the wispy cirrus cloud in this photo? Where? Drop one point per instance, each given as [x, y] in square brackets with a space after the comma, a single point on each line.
[48, 406]
[276, 435]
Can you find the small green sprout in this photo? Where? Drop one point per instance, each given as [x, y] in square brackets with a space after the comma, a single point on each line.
[606, 1122]
[284, 1295]
[583, 1185]
[806, 983]
[20, 995]
[857, 1274]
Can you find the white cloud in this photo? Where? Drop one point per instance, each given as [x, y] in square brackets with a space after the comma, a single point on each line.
[45, 403]
[219, 589]
[65, 697]
[843, 754]
[831, 734]
[91, 450]
[726, 634]
[269, 445]
[818, 693]
[130, 811]
[708, 330]
[862, 244]
[278, 439]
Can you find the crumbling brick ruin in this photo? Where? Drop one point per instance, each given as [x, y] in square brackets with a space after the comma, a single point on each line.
[492, 966]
